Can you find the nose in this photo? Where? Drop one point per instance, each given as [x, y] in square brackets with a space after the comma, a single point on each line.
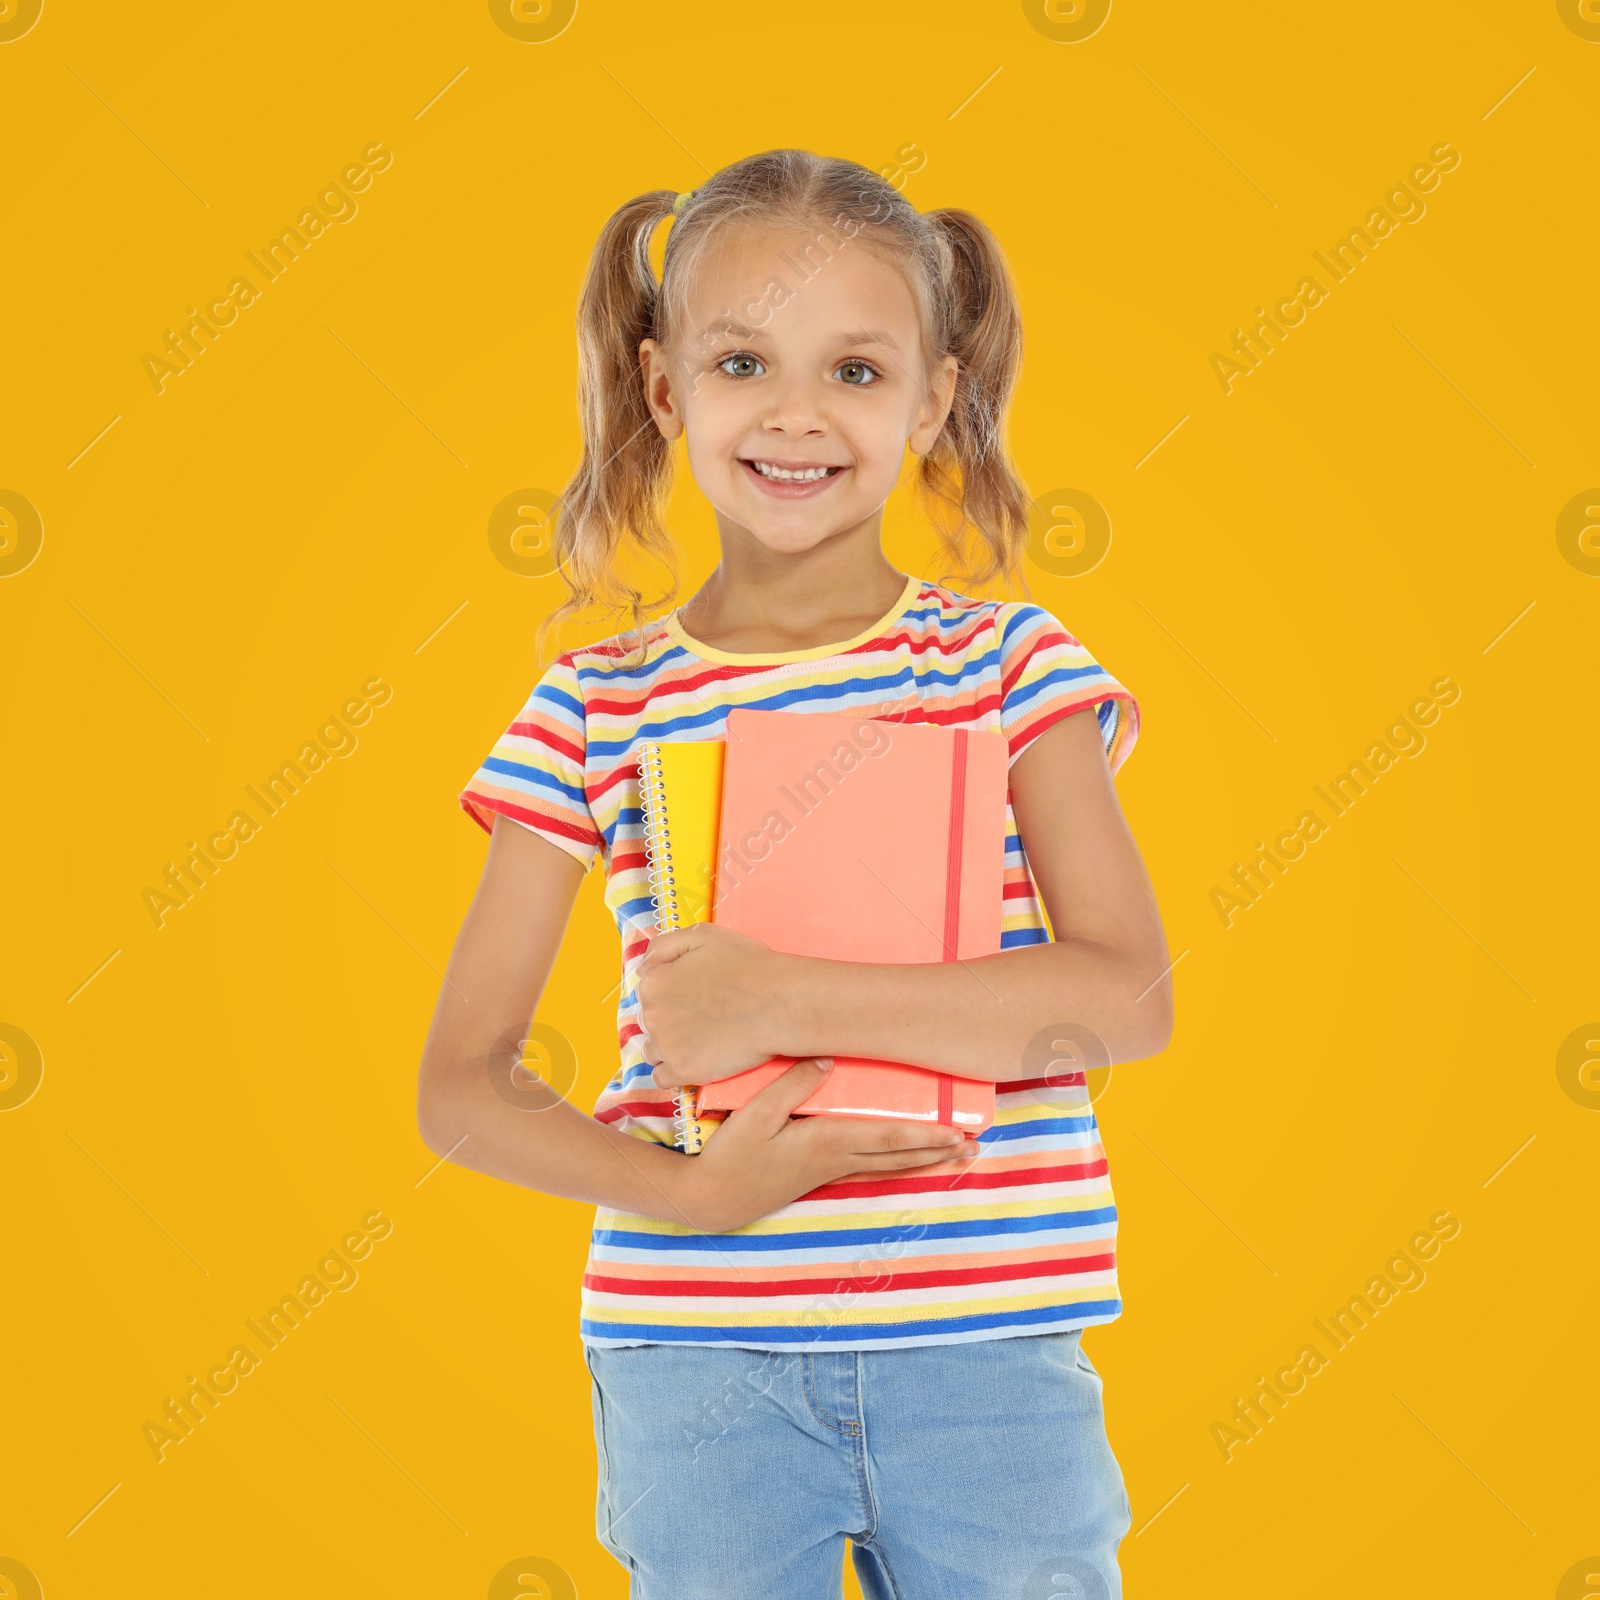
[796, 406]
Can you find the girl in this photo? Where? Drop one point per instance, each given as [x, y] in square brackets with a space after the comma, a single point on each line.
[817, 1327]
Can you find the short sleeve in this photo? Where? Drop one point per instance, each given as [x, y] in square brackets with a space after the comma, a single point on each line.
[535, 773]
[1046, 674]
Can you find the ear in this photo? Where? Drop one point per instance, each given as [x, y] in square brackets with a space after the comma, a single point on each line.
[935, 407]
[659, 394]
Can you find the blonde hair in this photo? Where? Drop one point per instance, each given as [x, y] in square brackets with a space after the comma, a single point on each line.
[613, 504]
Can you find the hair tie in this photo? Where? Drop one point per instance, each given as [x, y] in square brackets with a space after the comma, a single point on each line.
[681, 201]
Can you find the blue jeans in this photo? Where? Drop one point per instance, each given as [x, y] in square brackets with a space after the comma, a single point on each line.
[971, 1471]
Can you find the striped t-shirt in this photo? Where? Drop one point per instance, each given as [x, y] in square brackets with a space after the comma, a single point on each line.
[1020, 1240]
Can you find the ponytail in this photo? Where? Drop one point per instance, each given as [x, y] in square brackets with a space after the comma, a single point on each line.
[625, 471]
[967, 475]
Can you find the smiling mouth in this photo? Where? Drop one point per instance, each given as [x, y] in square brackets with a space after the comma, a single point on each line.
[774, 472]
[800, 480]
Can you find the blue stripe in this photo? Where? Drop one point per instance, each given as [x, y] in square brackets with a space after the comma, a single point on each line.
[965, 1228]
[872, 688]
[536, 779]
[546, 693]
[1025, 618]
[926, 1328]
[632, 910]
[867, 689]
[931, 613]
[1033, 1130]
[602, 674]
[1021, 694]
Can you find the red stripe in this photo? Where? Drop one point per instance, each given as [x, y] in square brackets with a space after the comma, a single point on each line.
[952, 889]
[1017, 1177]
[638, 1109]
[551, 741]
[538, 819]
[625, 771]
[918, 642]
[1061, 1080]
[774, 1288]
[953, 850]
[1046, 634]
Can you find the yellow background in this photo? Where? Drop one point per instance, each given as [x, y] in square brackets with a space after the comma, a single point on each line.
[307, 507]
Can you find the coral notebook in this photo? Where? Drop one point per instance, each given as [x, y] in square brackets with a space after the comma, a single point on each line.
[869, 841]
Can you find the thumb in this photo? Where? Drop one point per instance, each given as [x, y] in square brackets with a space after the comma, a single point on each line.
[670, 946]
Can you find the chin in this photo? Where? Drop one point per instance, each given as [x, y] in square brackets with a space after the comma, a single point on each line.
[791, 538]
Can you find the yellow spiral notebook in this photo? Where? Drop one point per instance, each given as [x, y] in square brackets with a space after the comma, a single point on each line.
[680, 796]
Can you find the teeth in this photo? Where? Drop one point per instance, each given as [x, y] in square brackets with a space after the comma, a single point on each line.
[783, 475]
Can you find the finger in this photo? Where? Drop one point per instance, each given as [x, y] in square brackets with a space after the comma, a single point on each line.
[958, 1154]
[773, 1105]
[670, 945]
[901, 1160]
[879, 1135]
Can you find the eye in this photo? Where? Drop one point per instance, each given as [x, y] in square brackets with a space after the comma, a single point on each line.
[745, 363]
[858, 374]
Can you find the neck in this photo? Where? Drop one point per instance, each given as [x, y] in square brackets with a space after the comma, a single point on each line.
[759, 599]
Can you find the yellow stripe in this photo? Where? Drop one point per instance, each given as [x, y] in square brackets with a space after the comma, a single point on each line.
[779, 1227]
[676, 634]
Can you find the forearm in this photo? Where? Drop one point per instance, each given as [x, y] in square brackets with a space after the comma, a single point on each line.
[550, 1145]
[975, 1018]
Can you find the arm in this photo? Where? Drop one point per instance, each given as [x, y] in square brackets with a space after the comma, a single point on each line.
[1107, 969]
[760, 1160]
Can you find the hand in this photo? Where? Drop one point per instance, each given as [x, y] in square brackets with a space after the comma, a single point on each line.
[761, 1158]
[707, 999]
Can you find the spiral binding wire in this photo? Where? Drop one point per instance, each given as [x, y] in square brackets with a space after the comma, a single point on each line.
[657, 844]
[686, 1131]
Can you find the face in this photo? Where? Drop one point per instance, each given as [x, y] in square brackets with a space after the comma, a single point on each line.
[799, 394]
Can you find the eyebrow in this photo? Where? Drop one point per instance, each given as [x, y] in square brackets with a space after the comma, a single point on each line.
[860, 336]
[874, 336]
